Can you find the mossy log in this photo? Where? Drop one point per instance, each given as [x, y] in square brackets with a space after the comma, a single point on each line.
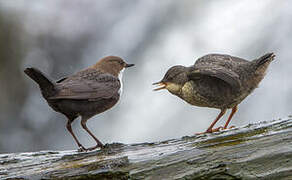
[256, 151]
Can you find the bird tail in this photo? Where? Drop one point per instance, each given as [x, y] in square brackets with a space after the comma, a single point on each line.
[264, 59]
[46, 85]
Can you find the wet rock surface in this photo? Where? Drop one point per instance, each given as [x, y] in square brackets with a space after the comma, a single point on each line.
[262, 150]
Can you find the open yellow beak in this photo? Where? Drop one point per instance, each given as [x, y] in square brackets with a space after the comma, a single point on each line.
[160, 85]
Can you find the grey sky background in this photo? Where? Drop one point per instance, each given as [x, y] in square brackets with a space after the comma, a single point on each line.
[61, 37]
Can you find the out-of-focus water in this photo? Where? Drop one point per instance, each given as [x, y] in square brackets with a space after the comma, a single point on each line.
[63, 36]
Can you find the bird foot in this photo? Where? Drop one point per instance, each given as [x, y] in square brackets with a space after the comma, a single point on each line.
[81, 148]
[214, 130]
[231, 127]
[211, 130]
[228, 128]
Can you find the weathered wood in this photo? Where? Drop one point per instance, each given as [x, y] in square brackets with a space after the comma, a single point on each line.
[262, 150]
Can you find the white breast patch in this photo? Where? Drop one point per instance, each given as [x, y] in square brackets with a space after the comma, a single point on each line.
[121, 81]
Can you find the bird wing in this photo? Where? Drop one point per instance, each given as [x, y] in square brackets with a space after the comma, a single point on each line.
[217, 66]
[220, 59]
[229, 77]
[88, 84]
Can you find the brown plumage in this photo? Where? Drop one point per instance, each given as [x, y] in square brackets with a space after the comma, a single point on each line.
[216, 81]
[86, 93]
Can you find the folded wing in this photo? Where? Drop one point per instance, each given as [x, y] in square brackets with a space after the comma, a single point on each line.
[87, 85]
[217, 66]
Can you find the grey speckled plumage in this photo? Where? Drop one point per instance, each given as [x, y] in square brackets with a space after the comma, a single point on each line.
[216, 81]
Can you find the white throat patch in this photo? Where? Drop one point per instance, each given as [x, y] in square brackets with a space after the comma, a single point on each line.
[121, 81]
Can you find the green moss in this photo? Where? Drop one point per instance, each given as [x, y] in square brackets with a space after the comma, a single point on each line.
[231, 140]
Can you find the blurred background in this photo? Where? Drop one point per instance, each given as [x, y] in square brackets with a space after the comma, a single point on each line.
[61, 37]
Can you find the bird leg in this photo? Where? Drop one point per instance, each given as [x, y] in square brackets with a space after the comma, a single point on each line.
[210, 128]
[98, 143]
[69, 128]
[234, 109]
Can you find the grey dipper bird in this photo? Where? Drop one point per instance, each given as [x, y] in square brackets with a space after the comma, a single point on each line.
[216, 81]
[85, 93]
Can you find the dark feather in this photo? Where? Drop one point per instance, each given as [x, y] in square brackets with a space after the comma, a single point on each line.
[88, 84]
[46, 85]
[265, 58]
[218, 66]
[229, 77]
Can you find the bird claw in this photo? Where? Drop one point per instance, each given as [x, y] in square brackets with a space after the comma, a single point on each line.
[92, 148]
[211, 130]
[215, 130]
[220, 128]
[82, 148]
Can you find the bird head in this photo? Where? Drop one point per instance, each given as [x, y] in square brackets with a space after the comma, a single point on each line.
[112, 64]
[173, 80]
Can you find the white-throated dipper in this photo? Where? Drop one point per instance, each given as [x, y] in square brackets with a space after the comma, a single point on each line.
[86, 93]
[216, 81]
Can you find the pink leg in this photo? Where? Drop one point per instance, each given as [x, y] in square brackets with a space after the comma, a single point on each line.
[234, 109]
[210, 130]
[98, 143]
[69, 128]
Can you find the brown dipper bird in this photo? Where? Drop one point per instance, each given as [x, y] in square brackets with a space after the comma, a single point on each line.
[86, 93]
[216, 81]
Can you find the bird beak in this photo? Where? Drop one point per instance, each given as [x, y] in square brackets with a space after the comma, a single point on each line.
[129, 65]
[160, 85]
